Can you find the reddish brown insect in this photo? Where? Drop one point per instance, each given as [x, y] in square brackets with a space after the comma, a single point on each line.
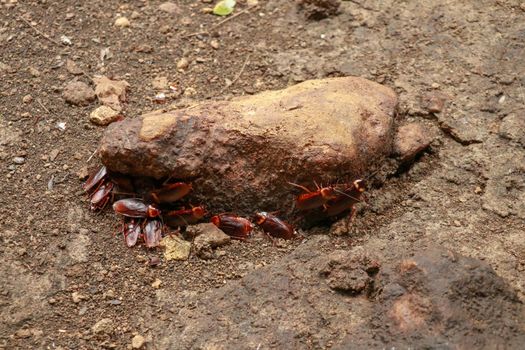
[233, 225]
[152, 233]
[346, 199]
[132, 230]
[135, 208]
[274, 226]
[101, 196]
[170, 192]
[185, 217]
[99, 189]
[312, 200]
[94, 179]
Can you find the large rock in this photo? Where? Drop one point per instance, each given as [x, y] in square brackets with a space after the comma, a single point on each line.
[349, 300]
[241, 154]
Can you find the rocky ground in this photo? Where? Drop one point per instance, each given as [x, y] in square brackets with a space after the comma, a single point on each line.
[435, 260]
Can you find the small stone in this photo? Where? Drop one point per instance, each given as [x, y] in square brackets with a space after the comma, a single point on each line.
[77, 297]
[23, 333]
[72, 67]
[410, 140]
[110, 294]
[115, 302]
[433, 102]
[103, 115]
[160, 83]
[19, 160]
[252, 2]
[214, 44]
[78, 93]
[137, 342]
[27, 99]
[122, 22]
[190, 92]
[183, 63]
[83, 173]
[66, 40]
[34, 72]
[104, 326]
[169, 7]
[6, 68]
[53, 154]
[135, 15]
[82, 311]
[478, 190]
[111, 92]
[175, 248]
[208, 237]
[156, 284]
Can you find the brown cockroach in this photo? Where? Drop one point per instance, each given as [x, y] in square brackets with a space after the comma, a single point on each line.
[132, 230]
[135, 208]
[233, 225]
[274, 226]
[184, 217]
[170, 192]
[94, 179]
[152, 233]
[312, 200]
[100, 198]
[346, 199]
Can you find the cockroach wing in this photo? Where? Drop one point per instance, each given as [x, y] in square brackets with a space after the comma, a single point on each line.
[101, 196]
[152, 233]
[171, 192]
[131, 233]
[94, 179]
[130, 207]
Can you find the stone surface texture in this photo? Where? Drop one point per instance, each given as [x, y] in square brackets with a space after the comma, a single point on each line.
[241, 154]
[352, 299]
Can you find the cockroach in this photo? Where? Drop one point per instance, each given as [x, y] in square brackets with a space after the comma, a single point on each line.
[152, 233]
[274, 226]
[184, 217]
[233, 225]
[94, 179]
[132, 230]
[170, 192]
[100, 198]
[135, 208]
[312, 200]
[346, 199]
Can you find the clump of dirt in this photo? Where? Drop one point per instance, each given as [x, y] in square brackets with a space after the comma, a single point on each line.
[319, 9]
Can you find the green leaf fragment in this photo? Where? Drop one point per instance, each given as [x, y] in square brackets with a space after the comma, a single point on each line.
[224, 7]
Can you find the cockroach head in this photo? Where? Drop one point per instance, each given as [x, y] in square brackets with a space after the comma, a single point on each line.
[360, 185]
[199, 211]
[153, 212]
[260, 217]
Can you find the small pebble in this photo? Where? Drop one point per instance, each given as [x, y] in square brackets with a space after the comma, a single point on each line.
[122, 22]
[156, 284]
[137, 342]
[183, 63]
[19, 160]
[27, 99]
[215, 44]
[82, 311]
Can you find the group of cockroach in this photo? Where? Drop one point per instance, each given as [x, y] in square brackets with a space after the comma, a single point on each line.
[149, 217]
